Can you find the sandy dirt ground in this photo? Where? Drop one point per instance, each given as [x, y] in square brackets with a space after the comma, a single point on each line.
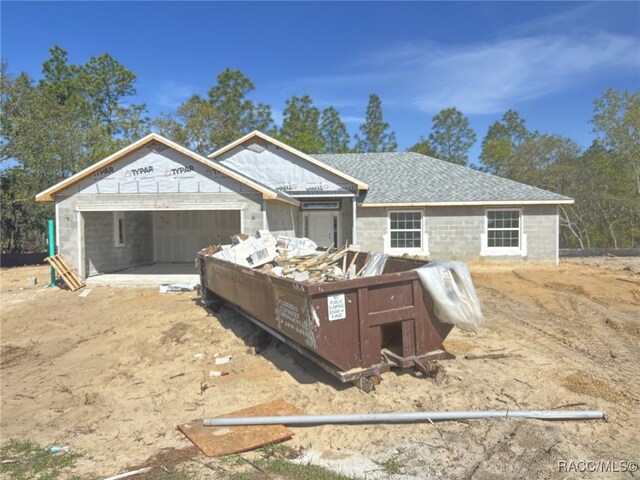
[112, 375]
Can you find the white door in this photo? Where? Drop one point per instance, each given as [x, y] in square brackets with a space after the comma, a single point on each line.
[321, 227]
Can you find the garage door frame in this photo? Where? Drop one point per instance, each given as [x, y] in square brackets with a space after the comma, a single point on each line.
[158, 205]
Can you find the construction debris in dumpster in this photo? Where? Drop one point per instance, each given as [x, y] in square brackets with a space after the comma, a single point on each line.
[299, 259]
[448, 283]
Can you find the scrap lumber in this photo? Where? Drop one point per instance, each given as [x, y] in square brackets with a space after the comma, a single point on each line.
[224, 441]
[362, 269]
[68, 274]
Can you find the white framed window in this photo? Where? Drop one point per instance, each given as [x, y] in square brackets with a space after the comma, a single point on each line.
[119, 234]
[504, 229]
[405, 230]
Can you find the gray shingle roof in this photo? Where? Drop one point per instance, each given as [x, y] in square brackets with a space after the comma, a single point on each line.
[407, 177]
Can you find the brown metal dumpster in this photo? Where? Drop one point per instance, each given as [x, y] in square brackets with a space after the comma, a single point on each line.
[354, 329]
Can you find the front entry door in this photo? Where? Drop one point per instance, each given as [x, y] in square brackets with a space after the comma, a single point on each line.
[321, 227]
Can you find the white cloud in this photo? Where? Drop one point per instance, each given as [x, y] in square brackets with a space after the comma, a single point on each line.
[172, 95]
[352, 119]
[492, 77]
[583, 17]
[481, 78]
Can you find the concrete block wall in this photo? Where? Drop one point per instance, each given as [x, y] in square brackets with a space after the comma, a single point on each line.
[281, 218]
[372, 226]
[541, 226]
[67, 229]
[100, 251]
[456, 232]
[252, 217]
[346, 220]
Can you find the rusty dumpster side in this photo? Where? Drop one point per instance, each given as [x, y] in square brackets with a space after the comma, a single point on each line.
[349, 327]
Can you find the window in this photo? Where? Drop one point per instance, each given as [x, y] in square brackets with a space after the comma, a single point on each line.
[405, 230]
[118, 229]
[320, 205]
[503, 228]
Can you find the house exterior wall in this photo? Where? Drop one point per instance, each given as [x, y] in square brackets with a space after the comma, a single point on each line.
[270, 165]
[456, 232]
[151, 179]
[542, 229]
[68, 232]
[281, 218]
[158, 184]
[371, 224]
[346, 222]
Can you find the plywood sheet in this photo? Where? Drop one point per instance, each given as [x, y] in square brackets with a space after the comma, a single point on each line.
[216, 441]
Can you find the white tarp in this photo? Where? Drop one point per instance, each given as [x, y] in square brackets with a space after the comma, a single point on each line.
[454, 296]
[376, 264]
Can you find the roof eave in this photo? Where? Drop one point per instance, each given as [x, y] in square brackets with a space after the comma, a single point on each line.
[568, 201]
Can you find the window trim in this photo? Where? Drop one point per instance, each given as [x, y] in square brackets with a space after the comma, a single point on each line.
[520, 249]
[423, 236]
[117, 216]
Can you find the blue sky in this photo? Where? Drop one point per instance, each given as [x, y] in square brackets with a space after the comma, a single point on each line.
[548, 61]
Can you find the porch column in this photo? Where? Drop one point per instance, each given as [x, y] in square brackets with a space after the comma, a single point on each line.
[81, 250]
[354, 230]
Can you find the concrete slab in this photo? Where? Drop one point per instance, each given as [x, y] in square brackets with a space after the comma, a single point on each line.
[148, 276]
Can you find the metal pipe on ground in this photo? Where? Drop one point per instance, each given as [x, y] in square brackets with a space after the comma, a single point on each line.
[411, 417]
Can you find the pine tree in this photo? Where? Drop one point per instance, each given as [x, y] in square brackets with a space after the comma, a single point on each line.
[452, 136]
[376, 136]
[333, 131]
[424, 147]
[236, 114]
[300, 126]
[502, 140]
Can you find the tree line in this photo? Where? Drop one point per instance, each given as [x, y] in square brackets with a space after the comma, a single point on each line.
[75, 115]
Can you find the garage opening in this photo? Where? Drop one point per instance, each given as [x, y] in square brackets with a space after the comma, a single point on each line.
[152, 247]
[179, 235]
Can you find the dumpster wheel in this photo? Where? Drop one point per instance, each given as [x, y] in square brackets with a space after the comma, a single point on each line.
[367, 384]
[428, 369]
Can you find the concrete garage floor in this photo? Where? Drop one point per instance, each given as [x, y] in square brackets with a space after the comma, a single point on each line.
[148, 276]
